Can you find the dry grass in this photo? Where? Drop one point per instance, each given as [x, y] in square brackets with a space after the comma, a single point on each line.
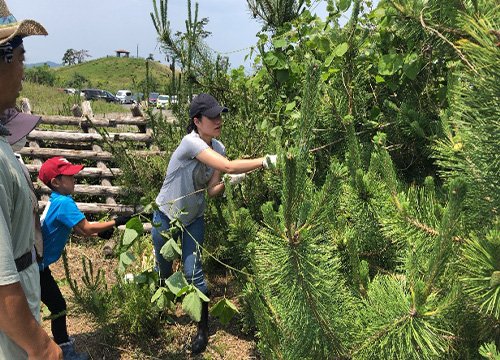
[226, 341]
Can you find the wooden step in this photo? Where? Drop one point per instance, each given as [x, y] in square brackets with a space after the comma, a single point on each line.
[91, 190]
[97, 122]
[91, 172]
[46, 153]
[97, 208]
[70, 137]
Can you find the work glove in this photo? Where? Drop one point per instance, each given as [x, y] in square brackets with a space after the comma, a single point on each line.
[106, 234]
[269, 161]
[122, 220]
[234, 178]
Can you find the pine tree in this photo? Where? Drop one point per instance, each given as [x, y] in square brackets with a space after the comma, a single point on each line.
[470, 152]
[472, 122]
[302, 295]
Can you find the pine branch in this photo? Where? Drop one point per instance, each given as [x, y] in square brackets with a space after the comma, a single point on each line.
[441, 36]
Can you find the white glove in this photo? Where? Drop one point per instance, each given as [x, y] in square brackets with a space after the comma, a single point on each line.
[234, 178]
[269, 161]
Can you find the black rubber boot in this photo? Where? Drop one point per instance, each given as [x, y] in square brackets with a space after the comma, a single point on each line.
[200, 341]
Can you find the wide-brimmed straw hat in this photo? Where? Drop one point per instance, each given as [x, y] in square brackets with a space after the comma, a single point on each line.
[10, 27]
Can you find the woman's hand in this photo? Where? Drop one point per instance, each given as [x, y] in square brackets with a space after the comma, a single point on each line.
[269, 161]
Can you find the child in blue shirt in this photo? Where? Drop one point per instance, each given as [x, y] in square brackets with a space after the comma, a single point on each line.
[59, 218]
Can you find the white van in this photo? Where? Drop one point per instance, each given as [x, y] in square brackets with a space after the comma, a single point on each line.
[125, 96]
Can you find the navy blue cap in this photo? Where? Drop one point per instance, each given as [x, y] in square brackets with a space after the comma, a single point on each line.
[205, 104]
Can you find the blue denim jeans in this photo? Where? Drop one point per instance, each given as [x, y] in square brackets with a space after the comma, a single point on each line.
[191, 255]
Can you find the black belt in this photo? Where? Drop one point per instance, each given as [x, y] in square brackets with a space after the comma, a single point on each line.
[24, 261]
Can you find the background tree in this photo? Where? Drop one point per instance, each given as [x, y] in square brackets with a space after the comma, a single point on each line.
[72, 56]
[80, 55]
[69, 57]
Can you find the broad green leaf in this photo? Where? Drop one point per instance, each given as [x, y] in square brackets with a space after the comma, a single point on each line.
[157, 294]
[270, 58]
[263, 125]
[411, 66]
[262, 36]
[341, 49]
[343, 5]
[170, 251]
[202, 296]
[280, 43]
[191, 305]
[176, 282]
[323, 44]
[329, 59]
[290, 106]
[129, 236]
[136, 224]
[185, 290]
[276, 131]
[282, 75]
[141, 278]
[411, 70]
[125, 259]
[163, 299]
[379, 13]
[379, 79]
[389, 64]
[149, 208]
[325, 76]
[224, 310]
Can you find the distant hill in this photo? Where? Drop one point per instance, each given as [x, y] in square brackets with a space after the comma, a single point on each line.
[113, 74]
[51, 64]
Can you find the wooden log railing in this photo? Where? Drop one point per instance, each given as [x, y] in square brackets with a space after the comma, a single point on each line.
[71, 137]
[85, 143]
[87, 172]
[97, 122]
[99, 208]
[91, 190]
[46, 153]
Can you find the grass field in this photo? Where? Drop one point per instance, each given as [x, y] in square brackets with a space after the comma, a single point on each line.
[113, 74]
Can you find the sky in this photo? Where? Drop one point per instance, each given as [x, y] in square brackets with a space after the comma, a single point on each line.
[103, 26]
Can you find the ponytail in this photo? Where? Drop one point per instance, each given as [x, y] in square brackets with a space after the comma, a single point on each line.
[191, 126]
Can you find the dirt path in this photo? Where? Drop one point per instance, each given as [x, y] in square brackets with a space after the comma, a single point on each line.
[226, 341]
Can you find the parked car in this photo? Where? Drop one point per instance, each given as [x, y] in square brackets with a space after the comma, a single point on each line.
[97, 94]
[137, 97]
[153, 96]
[125, 96]
[108, 97]
[162, 101]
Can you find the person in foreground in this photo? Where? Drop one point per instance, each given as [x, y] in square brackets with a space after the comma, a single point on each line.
[59, 218]
[198, 163]
[21, 336]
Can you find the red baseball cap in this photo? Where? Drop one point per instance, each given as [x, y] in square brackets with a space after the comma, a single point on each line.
[57, 166]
